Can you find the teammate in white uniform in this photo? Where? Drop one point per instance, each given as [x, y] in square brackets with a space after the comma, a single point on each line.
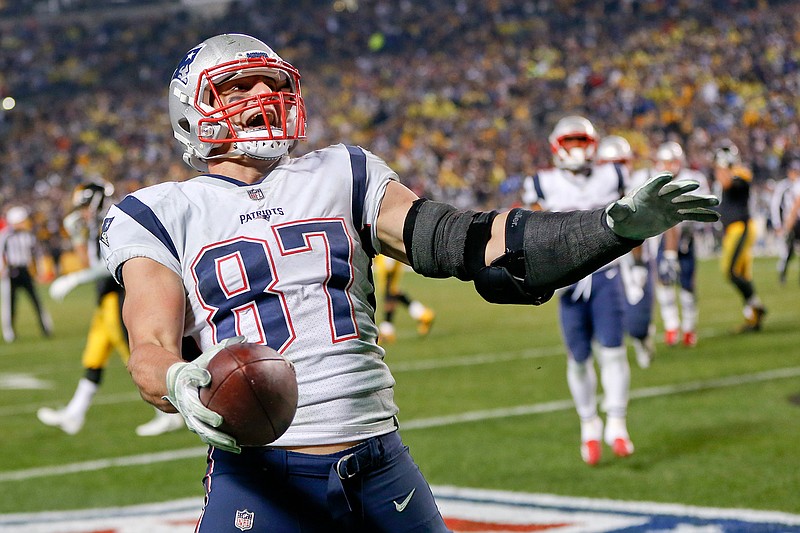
[677, 258]
[591, 310]
[638, 267]
[277, 250]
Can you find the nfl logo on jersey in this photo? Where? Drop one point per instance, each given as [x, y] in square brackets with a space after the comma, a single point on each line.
[256, 194]
[244, 520]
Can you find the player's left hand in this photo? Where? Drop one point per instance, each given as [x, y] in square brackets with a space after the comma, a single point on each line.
[658, 205]
[183, 383]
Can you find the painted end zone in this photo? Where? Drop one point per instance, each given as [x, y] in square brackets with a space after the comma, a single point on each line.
[465, 510]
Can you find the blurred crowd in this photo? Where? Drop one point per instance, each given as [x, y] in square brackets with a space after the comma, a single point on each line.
[458, 96]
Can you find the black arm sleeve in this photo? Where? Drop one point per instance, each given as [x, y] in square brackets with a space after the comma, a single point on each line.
[546, 251]
[562, 248]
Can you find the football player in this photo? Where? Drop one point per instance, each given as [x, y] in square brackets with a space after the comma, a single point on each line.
[276, 249]
[593, 309]
[389, 273]
[785, 224]
[740, 231]
[636, 268]
[90, 201]
[677, 258]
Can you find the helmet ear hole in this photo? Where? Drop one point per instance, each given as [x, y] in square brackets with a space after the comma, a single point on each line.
[183, 123]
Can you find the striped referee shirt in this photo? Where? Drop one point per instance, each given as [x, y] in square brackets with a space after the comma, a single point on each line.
[18, 248]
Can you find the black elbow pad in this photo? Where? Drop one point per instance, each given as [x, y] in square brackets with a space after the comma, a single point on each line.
[496, 285]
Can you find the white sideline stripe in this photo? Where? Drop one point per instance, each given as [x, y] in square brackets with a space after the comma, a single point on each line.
[396, 367]
[477, 359]
[101, 464]
[560, 405]
[420, 423]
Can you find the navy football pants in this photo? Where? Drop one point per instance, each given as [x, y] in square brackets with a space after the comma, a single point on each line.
[373, 487]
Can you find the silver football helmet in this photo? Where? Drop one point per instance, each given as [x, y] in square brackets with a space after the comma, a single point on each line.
[574, 158]
[614, 149]
[274, 121]
[727, 155]
[670, 157]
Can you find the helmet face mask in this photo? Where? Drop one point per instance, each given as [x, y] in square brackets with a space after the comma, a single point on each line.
[574, 143]
[202, 122]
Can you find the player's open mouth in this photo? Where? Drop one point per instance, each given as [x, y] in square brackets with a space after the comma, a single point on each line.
[259, 121]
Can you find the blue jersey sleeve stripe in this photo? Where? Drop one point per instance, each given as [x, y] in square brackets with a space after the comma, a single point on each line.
[358, 163]
[142, 214]
[538, 186]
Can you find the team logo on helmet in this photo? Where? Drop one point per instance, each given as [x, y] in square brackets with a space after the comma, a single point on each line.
[244, 520]
[182, 71]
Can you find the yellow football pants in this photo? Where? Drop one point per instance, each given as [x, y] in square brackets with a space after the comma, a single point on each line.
[106, 333]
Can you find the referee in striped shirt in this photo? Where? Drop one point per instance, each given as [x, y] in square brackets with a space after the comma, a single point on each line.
[18, 251]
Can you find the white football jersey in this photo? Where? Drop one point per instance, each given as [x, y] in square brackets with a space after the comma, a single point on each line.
[561, 190]
[286, 263]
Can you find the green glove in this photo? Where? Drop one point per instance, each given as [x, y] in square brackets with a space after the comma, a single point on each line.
[183, 383]
[658, 205]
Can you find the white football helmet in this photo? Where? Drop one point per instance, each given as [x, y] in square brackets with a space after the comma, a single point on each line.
[275, 120]
[670, 154]
[575, 158]
[614, 149]
[727, 155]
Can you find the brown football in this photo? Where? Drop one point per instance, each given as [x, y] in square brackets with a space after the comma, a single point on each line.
[254, 388]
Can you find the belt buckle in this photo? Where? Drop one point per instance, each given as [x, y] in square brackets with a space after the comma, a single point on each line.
[339, 465]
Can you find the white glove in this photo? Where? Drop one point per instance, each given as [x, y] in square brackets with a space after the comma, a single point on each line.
[62, 286]
[668, 267]
[65, 284]
[634, 279]
[183, 385]
[658, 205]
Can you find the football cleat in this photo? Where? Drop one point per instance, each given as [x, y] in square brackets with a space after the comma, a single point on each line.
[386, 333]
[671, 337]
[754, 317]
[591, 433]
[689, 339]
[616, 436]
[622, 447]
[160, 424]
[425, 322]
[60, 418]
[590, 452]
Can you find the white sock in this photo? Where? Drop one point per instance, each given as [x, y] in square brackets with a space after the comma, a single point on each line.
[615, 374]
[669, 306]
[582, 381]
[416, 310]
[82, 398]
[689, 310]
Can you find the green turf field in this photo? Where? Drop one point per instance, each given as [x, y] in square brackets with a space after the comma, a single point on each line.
[484, 403]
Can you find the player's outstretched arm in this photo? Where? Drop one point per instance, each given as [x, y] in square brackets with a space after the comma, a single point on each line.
[523, 256]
